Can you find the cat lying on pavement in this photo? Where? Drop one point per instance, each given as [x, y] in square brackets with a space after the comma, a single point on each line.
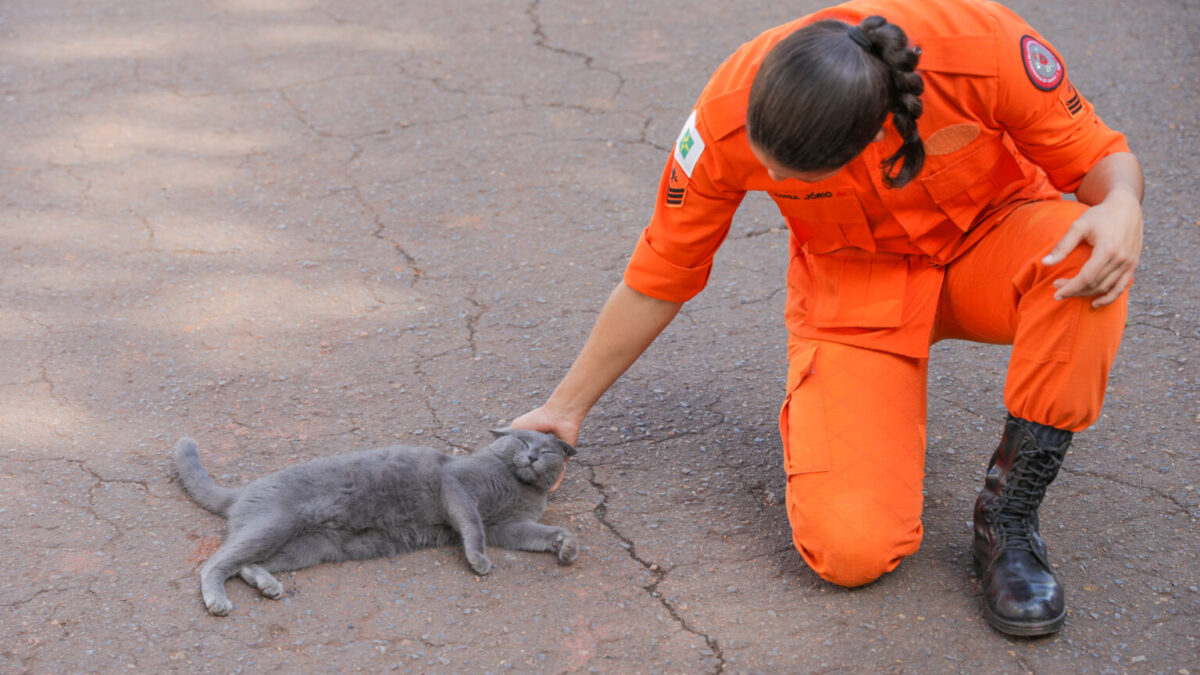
[377, 503]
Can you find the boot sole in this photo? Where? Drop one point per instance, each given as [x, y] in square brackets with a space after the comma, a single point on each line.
[1017, 628]
[1025, 629]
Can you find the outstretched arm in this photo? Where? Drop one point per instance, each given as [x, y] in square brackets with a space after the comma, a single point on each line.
[1113, 228]
[525, 535]
[627, 325]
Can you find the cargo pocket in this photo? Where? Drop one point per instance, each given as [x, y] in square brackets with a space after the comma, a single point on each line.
[967, 185]
[811, 455]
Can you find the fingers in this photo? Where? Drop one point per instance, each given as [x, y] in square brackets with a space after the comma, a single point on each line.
[1080, 283]
[1111, 279]
[1117, 289]
[535, 422]
[1113, 229]
[1107, 271]
[531, 421]
[1114, 283]
[1084, 283]
[540, 419]
[1074, 236]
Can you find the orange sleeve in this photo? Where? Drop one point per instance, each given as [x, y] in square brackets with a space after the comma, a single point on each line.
[1048, 119]
[692, 214]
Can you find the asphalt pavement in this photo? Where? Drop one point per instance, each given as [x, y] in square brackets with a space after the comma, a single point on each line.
[292, 228]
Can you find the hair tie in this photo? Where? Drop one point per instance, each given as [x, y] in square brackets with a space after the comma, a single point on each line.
[860, 38]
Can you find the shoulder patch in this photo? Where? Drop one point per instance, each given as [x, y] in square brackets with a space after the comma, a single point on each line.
[1044, 69]
[689, 146]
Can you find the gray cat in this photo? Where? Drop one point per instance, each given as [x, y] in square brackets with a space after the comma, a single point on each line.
[377, 503]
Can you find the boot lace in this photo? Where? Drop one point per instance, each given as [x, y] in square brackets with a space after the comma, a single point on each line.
[1026, 486]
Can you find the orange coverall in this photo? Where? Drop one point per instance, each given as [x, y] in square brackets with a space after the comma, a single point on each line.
[876, 274]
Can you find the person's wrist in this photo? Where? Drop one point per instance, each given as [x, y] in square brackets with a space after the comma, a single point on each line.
[561, 411]
[1125, 196]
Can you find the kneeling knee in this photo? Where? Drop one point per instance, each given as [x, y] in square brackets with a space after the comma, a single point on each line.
[854, 560]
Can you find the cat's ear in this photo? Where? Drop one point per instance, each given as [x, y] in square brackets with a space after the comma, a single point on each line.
[501, 432]
[567, 448]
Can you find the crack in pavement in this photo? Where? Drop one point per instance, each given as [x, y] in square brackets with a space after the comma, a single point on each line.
[671, 435]
[771, 229]
[356, 151]
[764, 299]
[1183, 507]
[84, 192]
[149, 230]
[119, 529]
[416, 271]
[657, 573]
[302, 116]
[542, 41]
[472, 320]
[963, 407]
[41, 591]
[1165, 329]
[431, 391]
[440, 84]
[645, 132]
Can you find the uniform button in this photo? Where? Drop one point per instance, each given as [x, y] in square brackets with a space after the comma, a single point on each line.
[932, 262]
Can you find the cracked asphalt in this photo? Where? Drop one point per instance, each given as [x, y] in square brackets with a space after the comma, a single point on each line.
[291, 229]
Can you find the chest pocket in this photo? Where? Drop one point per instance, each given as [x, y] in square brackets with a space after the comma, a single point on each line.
[826, 220]
[963, 188]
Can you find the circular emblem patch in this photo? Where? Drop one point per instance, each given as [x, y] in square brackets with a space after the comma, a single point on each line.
[1042, 66]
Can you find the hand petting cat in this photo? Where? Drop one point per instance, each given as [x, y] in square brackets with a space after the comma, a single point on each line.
[547, 420]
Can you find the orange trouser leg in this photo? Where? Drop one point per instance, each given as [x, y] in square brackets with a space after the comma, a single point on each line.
[853, 423]
[853, 428]
[1000, 292]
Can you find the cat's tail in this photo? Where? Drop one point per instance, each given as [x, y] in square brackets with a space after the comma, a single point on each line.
[198, 483]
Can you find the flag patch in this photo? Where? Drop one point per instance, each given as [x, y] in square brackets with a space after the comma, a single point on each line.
[689, 146]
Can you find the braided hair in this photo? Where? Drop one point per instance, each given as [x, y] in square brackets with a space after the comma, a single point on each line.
[824, 92]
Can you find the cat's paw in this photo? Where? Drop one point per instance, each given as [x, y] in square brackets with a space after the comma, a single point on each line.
[272, 589]
[567, 547]
[480, 564]
[218, 606]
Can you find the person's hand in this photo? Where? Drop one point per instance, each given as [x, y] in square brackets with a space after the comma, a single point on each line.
[1113, 228]
[549, 421]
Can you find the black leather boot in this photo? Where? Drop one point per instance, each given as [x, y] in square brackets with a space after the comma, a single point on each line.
[1020, 594]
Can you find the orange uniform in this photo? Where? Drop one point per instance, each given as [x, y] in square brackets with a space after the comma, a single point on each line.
[876, 274]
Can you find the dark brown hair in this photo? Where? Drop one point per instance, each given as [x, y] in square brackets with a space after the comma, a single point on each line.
[822, 95]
